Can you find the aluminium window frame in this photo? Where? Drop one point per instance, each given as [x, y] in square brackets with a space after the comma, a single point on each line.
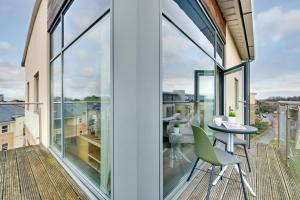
[218, 97]
[77, 174]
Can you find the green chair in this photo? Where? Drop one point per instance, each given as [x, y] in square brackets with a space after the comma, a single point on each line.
[205, 151]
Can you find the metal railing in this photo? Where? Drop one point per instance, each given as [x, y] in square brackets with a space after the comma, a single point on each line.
[20, 124]
[289, 132]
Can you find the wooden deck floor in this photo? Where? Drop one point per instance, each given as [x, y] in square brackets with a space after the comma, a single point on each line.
[270, 178]
[32, 173]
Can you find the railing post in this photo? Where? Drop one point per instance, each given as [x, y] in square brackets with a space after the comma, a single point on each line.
[278, 125]
[287, 134]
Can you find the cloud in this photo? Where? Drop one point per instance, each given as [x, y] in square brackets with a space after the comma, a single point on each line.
[285, 84]
[5, 46]
[11, 80]
[279, 23]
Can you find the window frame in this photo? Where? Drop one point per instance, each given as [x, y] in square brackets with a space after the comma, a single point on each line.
[219, 97]
[7, 129]
[27, 94]
[61, 155]
[36, 91]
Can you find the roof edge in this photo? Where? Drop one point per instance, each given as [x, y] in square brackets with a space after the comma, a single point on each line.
[30, 29]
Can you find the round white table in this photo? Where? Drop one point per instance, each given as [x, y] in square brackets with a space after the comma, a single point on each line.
[230, 147]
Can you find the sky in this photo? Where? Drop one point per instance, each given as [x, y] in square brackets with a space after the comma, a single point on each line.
[275, 72]
[14, 22]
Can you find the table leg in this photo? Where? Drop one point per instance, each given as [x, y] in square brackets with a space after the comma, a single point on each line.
[246, 182]
[183, 155]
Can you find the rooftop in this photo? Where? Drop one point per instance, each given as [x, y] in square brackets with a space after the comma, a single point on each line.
[10, 112]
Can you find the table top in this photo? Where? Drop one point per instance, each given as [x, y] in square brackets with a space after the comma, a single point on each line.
[222, 128]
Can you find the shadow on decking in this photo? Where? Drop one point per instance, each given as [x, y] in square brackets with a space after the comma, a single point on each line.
[270, 178]
[33, 173]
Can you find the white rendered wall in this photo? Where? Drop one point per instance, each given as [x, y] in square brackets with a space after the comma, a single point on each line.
[37, 61]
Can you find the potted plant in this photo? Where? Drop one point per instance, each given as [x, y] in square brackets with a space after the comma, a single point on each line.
[176, 128]
[178, 113]
[232, 117]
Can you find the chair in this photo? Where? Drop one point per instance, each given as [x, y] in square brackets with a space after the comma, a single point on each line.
[222, 137]
[205, 151]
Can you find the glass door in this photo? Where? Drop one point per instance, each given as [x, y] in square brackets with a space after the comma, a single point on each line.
[237, 92]
[204, 96]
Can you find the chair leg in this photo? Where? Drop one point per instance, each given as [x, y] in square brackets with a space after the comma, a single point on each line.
[192, 170]
[247, 157]
[242, 181]
[210, 182]
[221, 170]
[215, 141]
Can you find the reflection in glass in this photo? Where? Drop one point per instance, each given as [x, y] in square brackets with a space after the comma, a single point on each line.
[56, 89]
[188, 97]
[55, 40]
[80, 15]
[219, 51]
[87, 102]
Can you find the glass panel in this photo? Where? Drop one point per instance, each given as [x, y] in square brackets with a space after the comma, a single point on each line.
[55, 41]
[220, 51]
[56, 89]
[80, 15]
[182, 59]
[87, 101]
[188, 15]
[205, 97]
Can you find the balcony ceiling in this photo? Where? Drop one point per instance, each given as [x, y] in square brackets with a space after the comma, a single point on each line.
[238, 15]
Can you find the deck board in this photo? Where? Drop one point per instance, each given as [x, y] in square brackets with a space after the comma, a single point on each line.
[270, 178]
[29, 189]
[33, 173]
[11, 184]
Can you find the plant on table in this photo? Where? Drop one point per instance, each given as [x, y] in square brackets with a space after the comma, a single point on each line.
[176, 128]
[231, 116]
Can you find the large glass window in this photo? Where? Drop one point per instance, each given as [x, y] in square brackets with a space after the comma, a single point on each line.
[188, 96]
[56, 93]
[55, 40]
[81, 14]
[81, 91]
[86, 103]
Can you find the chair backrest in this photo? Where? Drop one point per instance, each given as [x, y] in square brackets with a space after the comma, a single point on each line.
[203, 147]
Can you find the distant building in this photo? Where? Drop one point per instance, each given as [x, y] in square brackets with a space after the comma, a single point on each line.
[252, 108]
[1, 97]
[11, 126]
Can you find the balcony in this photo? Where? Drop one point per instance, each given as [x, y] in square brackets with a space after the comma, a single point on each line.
[32, 173]
[270, 178]
[27, 170]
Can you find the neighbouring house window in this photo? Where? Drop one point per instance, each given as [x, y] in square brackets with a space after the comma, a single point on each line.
[236, 93]
[36, 91]
[27, 95]
[4, 129]
[4, 147]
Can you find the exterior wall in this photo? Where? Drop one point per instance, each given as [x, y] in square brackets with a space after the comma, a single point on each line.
[37, 61]
[9, 136]
[14, 137]
[213, 10]
[232, 59]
